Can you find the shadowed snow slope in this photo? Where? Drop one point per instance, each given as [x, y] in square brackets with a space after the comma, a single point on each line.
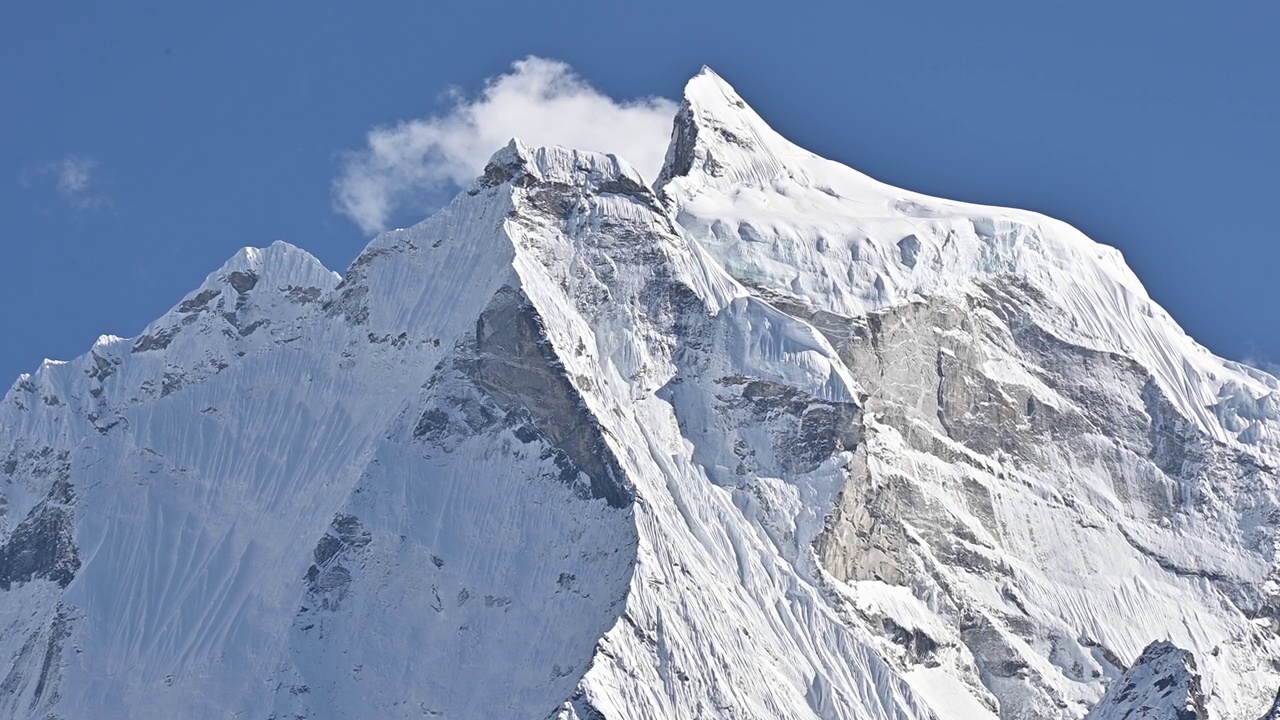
[774, 441]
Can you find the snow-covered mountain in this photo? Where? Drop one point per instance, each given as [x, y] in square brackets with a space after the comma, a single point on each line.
[768, 439]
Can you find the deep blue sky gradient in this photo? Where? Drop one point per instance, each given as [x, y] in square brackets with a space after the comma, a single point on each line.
[1151, 126]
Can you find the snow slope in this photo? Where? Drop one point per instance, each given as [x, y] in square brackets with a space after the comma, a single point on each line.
[772, 441]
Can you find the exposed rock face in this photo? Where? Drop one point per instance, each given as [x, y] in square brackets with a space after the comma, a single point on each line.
[513, 364]
[997, 406]
[770, 440]
[1162, 685]
[42, 546]
[1274, 712]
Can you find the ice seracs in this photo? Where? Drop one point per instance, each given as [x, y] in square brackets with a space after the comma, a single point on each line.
[770, 440]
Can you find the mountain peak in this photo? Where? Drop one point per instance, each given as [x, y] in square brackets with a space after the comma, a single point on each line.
[718, 141]
[285, 263]
[717, 134]
[520, 164]
[1163, 682]
[708, 87]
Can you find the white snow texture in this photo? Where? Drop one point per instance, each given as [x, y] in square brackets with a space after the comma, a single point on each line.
[767, 439]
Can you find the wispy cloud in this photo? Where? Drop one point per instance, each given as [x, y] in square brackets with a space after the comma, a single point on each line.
[540, 101]
[75, 178]
[1256, 358]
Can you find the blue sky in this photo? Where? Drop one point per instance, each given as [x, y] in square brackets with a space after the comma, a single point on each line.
[144, 142]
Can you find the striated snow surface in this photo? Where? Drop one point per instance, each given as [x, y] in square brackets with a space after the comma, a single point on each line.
[772, 440]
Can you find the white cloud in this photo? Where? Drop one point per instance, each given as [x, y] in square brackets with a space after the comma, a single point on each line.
[540, 101]
[1255, 358]
[74, 175]
[74, 178]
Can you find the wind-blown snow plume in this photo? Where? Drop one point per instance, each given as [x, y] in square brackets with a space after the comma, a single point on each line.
[543, 102]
